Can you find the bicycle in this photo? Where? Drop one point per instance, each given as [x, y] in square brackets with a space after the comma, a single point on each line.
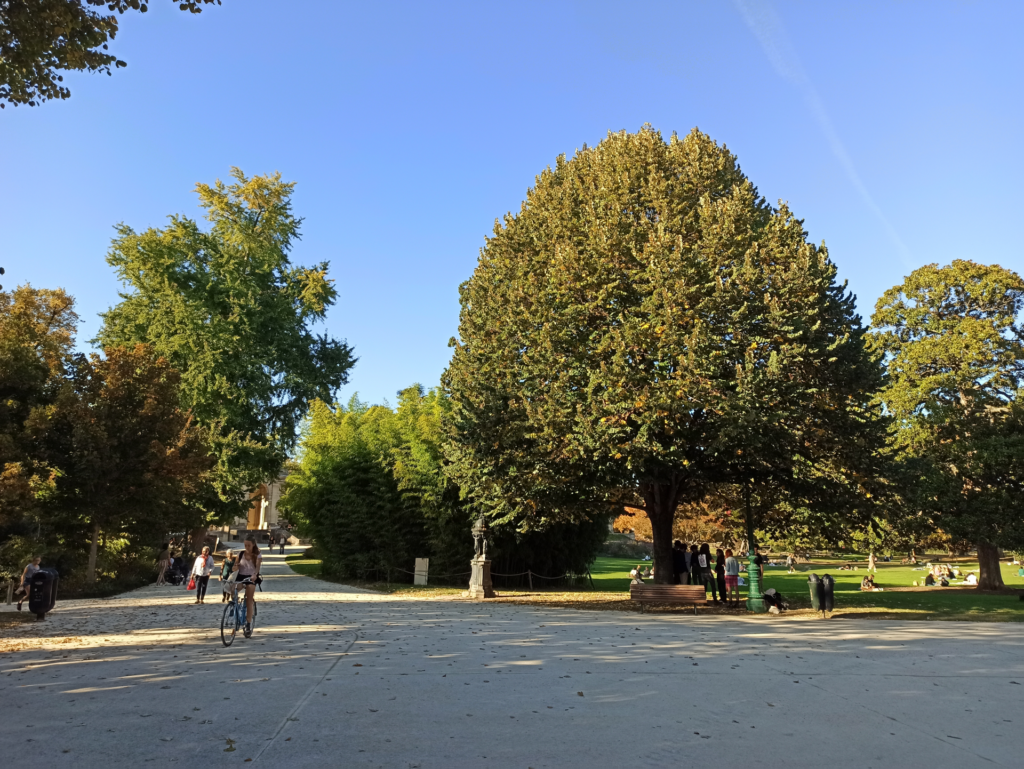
[234, 614]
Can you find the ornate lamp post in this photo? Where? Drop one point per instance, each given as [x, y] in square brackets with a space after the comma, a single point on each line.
[755, 598]
[480, 580]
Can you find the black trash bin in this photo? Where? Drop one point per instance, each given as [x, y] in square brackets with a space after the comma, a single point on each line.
[816, 591]
[44, 592]
[828, 597]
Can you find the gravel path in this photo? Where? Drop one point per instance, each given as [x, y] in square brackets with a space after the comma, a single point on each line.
[336, 676]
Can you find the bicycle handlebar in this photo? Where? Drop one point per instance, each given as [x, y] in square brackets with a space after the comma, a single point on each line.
[248, 581]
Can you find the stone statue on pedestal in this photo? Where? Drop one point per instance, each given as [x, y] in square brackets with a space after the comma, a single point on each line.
[480, 581]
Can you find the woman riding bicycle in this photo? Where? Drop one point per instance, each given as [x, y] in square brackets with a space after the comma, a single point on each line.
[248, 567]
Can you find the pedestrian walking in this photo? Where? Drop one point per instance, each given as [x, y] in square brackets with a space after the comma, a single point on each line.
[732, 578]
[281, 541]
[790, 563]
[871, 563]
[720, 572]
[225, 573]
[162, 562]
[201, 571]
[26, 579]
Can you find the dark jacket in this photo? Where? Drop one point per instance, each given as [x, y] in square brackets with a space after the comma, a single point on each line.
[678, 561]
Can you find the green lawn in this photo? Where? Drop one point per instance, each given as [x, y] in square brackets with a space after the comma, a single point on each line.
[300, 564]
[310, 567]
[612, 574]
[611, 577]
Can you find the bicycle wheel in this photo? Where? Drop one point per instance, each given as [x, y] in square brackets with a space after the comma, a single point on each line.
[228, 624]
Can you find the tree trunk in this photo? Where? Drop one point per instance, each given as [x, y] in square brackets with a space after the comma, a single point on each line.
[90, 569]
[989, 575]
[661, 510]
[197, 538]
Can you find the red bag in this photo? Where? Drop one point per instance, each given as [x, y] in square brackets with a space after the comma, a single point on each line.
[192, 583]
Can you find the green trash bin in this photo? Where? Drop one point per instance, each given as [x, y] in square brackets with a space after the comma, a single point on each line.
[817, 593]
[828, 593]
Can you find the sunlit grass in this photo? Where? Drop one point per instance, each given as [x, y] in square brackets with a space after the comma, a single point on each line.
[611, 587]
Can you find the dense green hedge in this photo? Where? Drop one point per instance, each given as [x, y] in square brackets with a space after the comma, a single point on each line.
[370, 490]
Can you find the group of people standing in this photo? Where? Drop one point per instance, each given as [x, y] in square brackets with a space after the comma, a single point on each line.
[693, 565]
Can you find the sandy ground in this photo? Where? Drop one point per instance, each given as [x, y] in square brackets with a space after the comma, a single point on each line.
[339, 677]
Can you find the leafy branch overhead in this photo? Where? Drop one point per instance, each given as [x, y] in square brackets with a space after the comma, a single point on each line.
[40, 39]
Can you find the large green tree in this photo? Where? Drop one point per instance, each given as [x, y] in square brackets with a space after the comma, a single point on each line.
[954, 349]
[130, 462]
[647, 327]
[40, 39]
[37, 333]
[228, 309]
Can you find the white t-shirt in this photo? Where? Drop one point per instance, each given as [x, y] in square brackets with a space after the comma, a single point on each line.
[246, 568]
[203, 566]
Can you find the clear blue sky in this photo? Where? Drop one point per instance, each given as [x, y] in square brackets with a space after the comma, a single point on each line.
[893, 128]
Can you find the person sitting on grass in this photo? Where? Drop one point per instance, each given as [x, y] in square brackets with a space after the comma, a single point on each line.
[972, 579]
[868, 585]
[637, 575]
[929, 580]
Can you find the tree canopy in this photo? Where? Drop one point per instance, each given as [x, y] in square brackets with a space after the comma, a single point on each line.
[954, 350]
[130, 463]
[98, 461]
[229, 310]
[37, 332]
[40, 39]
[647, 327]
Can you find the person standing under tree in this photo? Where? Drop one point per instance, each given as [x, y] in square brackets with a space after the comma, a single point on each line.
[201, 570]
[872, 567]
[732, 578]
[692, 565]
[704, 568]
[720, 572]
[679, 562]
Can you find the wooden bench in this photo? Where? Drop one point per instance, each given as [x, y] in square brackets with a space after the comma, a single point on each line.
[684, 594]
